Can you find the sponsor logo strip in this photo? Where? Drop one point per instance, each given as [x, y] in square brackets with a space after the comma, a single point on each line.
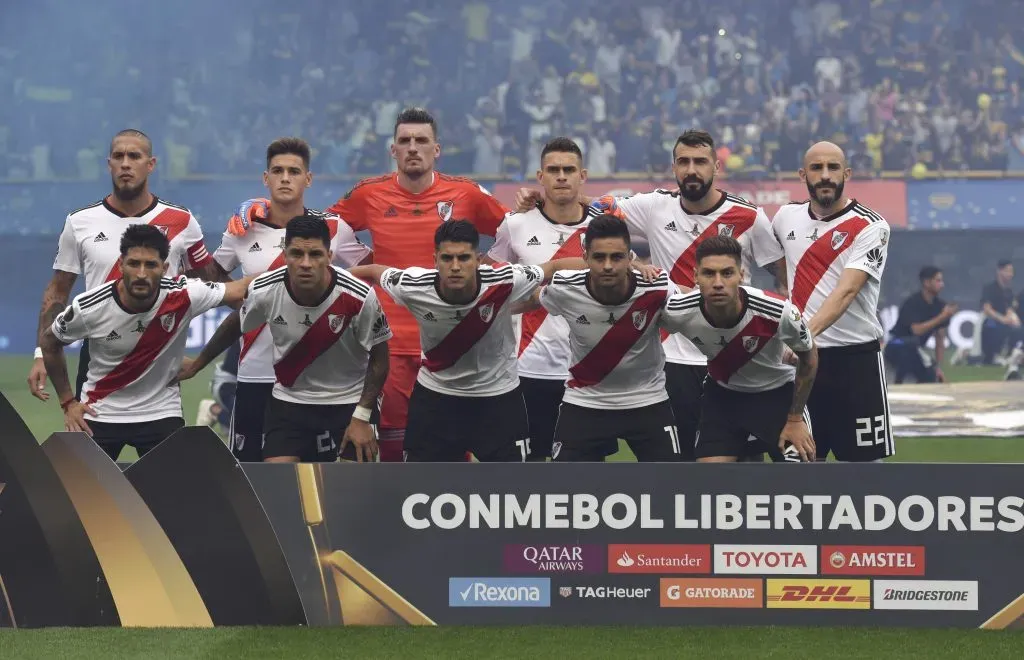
[712, 592]
[605, 592]
[872, 560]
[925, 595]
[499, 592]
[818, 594]
[659, 558]
[766, 559]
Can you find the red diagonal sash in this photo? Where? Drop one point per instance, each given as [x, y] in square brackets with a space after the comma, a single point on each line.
[740, 217]
[175, 222]
[152, 342]
[317, 339]
[249, 338]
[532, 320]
[622, 336]
[820, 256]
[734, 355]
[468, 331]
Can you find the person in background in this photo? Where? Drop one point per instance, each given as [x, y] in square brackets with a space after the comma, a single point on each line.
[999, 308]
[922, 315]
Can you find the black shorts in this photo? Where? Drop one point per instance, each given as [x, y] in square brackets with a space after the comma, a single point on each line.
[848, 404]
[443, 427]
[542, 397]
[729, 419]
[311, 432]
[591, 434]
[143, 436]
[247, 415]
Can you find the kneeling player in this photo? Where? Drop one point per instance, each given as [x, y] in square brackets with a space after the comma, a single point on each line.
[744, 333]
[467, 395]
[616, 386]
[330, 351]
[137, 326]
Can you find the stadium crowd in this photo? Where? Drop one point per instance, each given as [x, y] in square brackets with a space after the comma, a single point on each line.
[900, 84]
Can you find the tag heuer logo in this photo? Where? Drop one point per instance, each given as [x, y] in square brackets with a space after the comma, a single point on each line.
[167, 322]
[255, 248]
[486, 312]
[100, 237]
[565, 592]
[279, 320]
[640, 319]
[335, 322]
[875, 258]
[533, 241]
[582, 320]
[750, 344]
[838, 239]
[444, 210]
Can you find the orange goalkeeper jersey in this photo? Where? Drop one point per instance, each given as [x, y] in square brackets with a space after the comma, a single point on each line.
[402, 226]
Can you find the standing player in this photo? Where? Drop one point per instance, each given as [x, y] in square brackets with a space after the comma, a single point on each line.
[744, 332]
[467, 395]
[259, 250]
[836, 250]
[402, 211]
[616, 387]
[89, 242]
[674, 223]
[138, 326]
[330, 352]
[552, 230]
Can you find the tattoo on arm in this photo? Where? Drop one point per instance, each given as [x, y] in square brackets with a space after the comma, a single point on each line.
[211, 272]
[376, 374]
[229, 331]
[56, 365]
[55, 299]
[806, 370]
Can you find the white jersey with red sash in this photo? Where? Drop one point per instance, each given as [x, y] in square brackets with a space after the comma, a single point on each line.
[617, 360]
[320, 352]
[817, 253]
[748, 356]
[467, 349]
[260, 250]
[90, 243]
[674, 233]
[532, 238]
[134, 356]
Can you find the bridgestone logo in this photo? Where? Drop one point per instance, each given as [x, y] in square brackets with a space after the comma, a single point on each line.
[947, 595]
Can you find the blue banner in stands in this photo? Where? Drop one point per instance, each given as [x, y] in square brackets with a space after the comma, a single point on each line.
[964, 204]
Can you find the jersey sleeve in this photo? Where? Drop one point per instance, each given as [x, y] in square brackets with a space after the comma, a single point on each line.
[195, 248]
[764, 245]
[552, 298]
[678, 309]
[69, 259]
[793, 330]
[391, 282]
[353, 207]
[870, 249]
[633, 210]
[503, 250]
[525, 280]
[371, 325]
[254, 309]
[71, 325]
[204, 296]
[488, 211]
[226, 255]
[348, 250]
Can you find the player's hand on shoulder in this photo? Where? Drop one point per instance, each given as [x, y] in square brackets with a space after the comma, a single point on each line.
[527, 199]
[648, 272]
[247, 213]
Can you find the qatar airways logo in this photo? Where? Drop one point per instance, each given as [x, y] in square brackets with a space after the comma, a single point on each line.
[766, 559]
[553, 559]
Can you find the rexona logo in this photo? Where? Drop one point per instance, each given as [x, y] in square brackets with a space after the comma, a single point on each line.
[872, 560]
[925, 595]
[767, 559]
[609, 593]
[819, 594]
[712, 592]
[553, 559]
[499, 592]
[656, 558]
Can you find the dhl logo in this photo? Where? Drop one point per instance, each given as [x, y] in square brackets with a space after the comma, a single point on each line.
[819, 594]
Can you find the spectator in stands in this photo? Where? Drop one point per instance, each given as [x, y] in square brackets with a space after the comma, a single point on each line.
[999, 308]
[922, 316]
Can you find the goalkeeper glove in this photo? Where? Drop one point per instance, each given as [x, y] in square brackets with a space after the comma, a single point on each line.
[247, 213]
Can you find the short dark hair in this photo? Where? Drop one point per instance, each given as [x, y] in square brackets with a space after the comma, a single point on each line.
[415, 116]
[720, 245]
[927, 273]
[562, 145]
[695, 138]
[456, 231]
[1003, 263]
[307, 226]
[134, 132]
[605, 225]
[289, 145]
[145, 236]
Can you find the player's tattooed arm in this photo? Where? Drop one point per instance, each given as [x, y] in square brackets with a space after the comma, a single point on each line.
[55, 299]
[778, 270]
[795, 432]
[837, 302]
[528, 305]
[210, 272]
[376, 374]
[370, 272]
[229, 332]
[57, 369]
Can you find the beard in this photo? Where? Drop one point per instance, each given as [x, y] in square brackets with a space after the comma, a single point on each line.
[694, 194]
[127, 193]
[813, 191]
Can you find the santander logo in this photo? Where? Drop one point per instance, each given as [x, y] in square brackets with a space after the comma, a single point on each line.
[766, 559]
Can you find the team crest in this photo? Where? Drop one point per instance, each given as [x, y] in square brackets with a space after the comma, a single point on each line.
[640, 319]
[167, 322]
[486, 312]
[750, 344]
[444, 210]
[556, 449]
[335, 322]
[163, 229]
[725, 230]
[838, 239]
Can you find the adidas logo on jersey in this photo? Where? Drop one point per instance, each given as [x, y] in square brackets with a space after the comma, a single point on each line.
[671, 226]
[429, 316]
[582, 320]
[391, 212]
[112, 336]
[697, 341]
[255, 248]
[533, 241]
[279, 320]
[792, 236]
[100, 237]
